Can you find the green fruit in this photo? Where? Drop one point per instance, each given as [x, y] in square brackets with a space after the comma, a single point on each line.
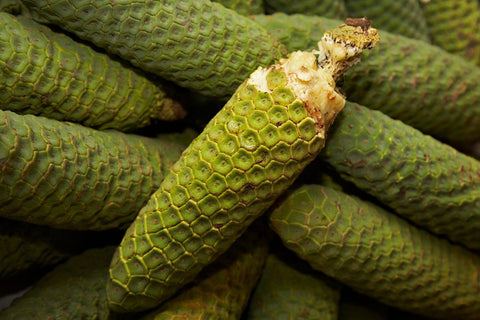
[455, 26]
[73, 290]
[221, 291]
[72, 177]
[46, 73]
[422, 179]
[379, 254]
[195, 43]
[411, 80]
[289, 290]
[400, 17]
[245, 7]
[247, 155]
[330, 9]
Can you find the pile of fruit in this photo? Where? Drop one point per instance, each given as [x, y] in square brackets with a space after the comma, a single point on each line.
[240, 159]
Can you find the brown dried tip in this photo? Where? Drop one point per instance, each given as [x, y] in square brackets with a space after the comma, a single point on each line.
[363, 23]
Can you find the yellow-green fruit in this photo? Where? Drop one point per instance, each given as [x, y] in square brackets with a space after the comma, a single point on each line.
[247, 155]
[46, 73]
[289, 290]
[454, 25]
[73, 290]
[195, 43]
[68, 176]
[222, 290]
[379, 254]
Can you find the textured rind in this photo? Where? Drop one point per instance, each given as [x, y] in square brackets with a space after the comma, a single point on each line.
[400, 17]
[411, 80]
[47, 73]
[247, 155]
[287, 291]
[73, 290]
[379, 254]
[325, 8]
[422, 179]
[68, 176]
[244, 7]
[221, 291]
[455, 26]
[195, 43]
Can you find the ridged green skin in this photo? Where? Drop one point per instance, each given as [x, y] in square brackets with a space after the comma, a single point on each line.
[245, 7]
[455, 26]
[379, 254]
[325, 8]
[221, 291]
[247, 155]
[286, 291]
[68, 176]
[195, 43]
[47, 73]
[422, 179]
[73, 290]
[400, 17]
[407, 79]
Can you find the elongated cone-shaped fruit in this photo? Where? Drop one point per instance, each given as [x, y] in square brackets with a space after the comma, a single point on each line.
[400, 17]
[49, 74]
[422, 179]
[69, 176]
[379, 254]
[407, 79]
[454, 26]
[221, 291]
[73, 290]
[197, 44]
[288, 290]
[248, 154]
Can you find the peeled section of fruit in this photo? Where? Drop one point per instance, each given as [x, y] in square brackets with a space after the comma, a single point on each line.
[379, 254]
[407, 79]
